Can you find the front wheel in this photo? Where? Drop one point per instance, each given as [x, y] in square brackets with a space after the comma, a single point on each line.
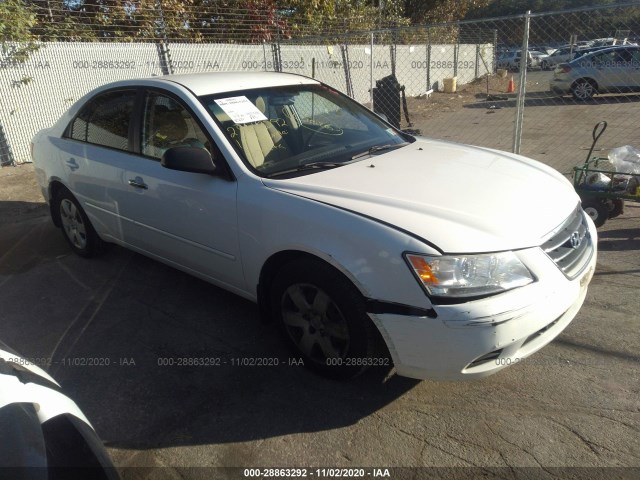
[76, 227]
[323, 318]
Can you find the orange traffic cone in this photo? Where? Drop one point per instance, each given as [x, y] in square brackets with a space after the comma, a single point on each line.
[512, 86]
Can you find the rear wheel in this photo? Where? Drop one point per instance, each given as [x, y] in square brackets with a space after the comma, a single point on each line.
[76, 227]
[583, 89]
[597, 210]
[323, 318]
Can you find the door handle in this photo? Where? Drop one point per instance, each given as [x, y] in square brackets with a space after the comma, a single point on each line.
[138, 183]
[72, 164]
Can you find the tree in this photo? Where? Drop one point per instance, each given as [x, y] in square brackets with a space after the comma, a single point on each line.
[16, 39]
[438, 11]
[316, 17]
[557, 29]
[229, 21]
[500, 8]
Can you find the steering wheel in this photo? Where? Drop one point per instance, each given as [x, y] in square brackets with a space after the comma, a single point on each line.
[323, 129]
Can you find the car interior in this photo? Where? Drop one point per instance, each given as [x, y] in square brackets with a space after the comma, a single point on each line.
[167, 124]
[262, 141]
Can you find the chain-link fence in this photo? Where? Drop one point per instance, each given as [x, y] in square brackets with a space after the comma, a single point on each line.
[464, 81]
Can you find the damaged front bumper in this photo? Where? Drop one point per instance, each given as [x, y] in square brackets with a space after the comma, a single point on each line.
[478, 338]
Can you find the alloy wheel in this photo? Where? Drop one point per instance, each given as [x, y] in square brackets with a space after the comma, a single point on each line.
[584, 90]
[72, 224]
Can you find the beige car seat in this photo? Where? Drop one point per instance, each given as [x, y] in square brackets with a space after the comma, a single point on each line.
[262, 141]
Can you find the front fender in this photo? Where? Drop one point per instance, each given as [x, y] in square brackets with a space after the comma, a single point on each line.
[369, 253]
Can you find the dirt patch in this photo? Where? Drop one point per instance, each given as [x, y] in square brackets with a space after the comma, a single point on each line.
[437, 104]
[20, 196]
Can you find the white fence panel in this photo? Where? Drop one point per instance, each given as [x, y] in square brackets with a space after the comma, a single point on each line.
[36, 93]
[218, 57]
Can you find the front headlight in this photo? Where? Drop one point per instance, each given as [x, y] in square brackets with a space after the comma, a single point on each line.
[469, 275]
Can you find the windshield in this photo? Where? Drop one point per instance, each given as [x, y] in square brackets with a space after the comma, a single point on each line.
[299, 129]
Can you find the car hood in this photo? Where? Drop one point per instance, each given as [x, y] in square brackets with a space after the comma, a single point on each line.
[457, 197]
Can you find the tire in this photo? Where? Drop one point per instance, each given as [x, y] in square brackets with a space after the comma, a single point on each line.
[76, 227]
[616, 207]
[597, 210]
[583, 89]
[545, 65]
[323, 318]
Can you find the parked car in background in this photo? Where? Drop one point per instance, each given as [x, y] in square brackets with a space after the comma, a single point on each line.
[346, 231]
[608, 70]
[545, 49]
[601, 42]
[560, 55]
[610, 42]
[43, 433]
[537, 58]
[511, 60]
[585, 51]
[553, 60]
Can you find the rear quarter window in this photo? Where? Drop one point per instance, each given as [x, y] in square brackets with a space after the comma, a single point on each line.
[105, 120]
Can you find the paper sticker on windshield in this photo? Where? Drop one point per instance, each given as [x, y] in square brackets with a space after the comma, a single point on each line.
[240, 110]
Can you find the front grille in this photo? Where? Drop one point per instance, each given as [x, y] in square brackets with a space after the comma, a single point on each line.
[570, 246]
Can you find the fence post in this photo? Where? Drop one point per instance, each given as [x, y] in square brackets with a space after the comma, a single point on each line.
[344, 49]
[277, 59]
[371, 73]
[275, 52]
[477, 67]
[162, 45]
[165, 58]
[495, 50]
[6, 158]
[428, 62]
[264, 54]
[517, 131]
[456, 49]
[392, 54]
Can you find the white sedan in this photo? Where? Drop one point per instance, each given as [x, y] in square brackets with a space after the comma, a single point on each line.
[347, 232]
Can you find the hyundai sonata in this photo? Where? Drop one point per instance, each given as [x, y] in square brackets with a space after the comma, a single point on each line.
[346, 231]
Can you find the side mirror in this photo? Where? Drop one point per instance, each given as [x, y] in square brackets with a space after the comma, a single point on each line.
[188, 159]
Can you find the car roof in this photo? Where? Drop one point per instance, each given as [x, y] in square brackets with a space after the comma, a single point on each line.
[598, 50]
[220, 82]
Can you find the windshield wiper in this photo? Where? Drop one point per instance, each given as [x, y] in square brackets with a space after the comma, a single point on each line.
[378, 148]
[308, 166]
